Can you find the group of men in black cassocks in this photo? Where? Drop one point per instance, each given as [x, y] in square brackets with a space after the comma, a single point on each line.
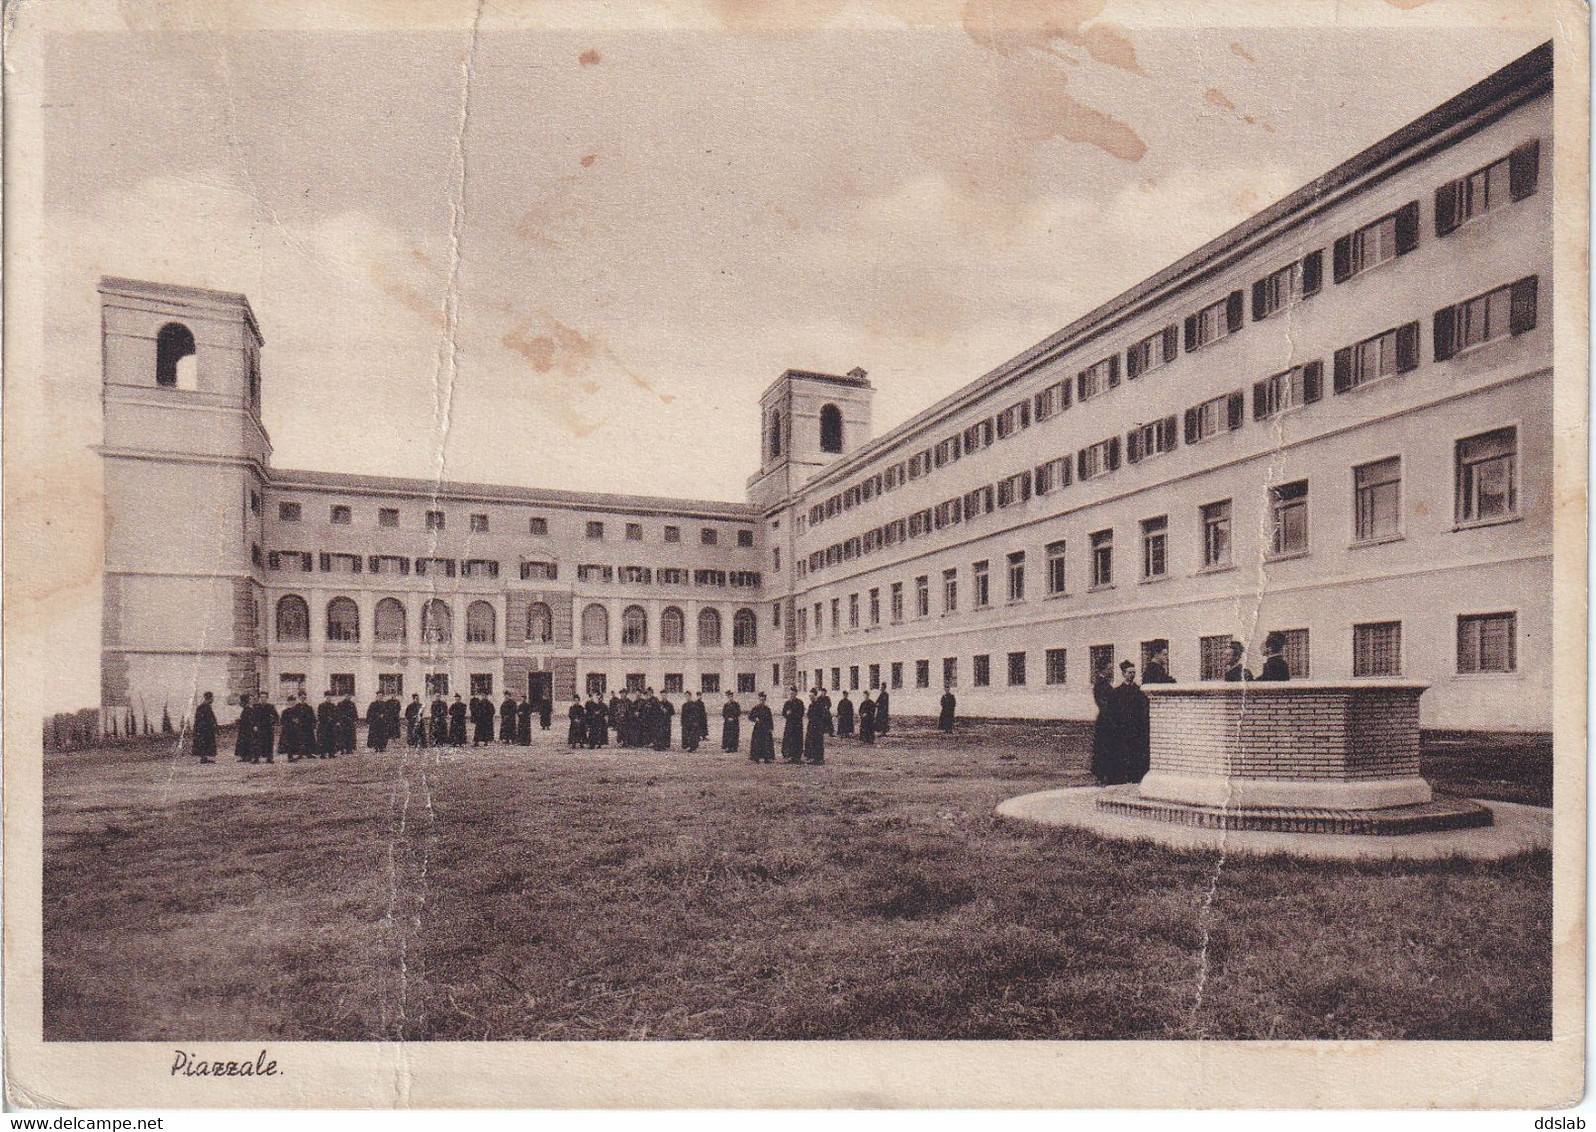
[305, 732]
[516, 714]
[638, 719]
[804, 729]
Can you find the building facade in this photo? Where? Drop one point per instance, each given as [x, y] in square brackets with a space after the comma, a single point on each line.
[1334, 422]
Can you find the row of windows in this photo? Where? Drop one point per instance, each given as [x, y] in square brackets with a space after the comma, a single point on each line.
[1485, 491]
[1486, 643]
[390, 623]
[1511, 178]
[342, 515]
[1506, 310]
[290, 684]
[302, 561]
[675, 683]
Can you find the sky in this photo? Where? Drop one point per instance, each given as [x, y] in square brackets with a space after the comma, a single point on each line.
[573, 256]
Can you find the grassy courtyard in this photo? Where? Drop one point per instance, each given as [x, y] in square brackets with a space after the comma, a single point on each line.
[547, 894]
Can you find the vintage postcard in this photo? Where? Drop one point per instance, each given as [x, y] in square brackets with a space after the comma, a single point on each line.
[819, 553]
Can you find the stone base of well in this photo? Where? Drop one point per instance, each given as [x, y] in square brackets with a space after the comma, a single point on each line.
[1430, 816]
[1226, 791]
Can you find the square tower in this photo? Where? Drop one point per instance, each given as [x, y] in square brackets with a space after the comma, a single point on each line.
[807, 421]
[185, 461]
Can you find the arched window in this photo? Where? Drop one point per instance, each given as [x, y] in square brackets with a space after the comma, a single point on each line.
[482, 624]
[672, 627]
[343, 620]
[830, 428]
[745, 631]
[293, 618]
[708, 628]
[634, 626]
[595, 625]
[437, 623]
[175, 361]
[390, 627]
[539, 623]
[775, 434]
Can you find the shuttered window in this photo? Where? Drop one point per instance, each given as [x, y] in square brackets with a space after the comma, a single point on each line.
[1297, 386]
[1152, 352]
[1214, 416]
[1496, 314]
[1511, 178]
[1394, 351]
[1213, 322]
[1379, 242]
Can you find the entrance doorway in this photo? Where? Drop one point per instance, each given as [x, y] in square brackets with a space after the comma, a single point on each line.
[540, 686]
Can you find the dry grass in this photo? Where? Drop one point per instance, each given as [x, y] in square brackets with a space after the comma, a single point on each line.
[629, 895]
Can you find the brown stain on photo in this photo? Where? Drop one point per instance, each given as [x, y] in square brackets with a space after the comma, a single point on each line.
[1238, 49]
[408, 296]
[587, 162]
[1218, 98]
[589, 58]
[1010, 27]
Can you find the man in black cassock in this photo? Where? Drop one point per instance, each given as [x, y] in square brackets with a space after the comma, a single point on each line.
[949, 705]
[662, 722]
[730, 724]
[825, 706]
[700, 717]
[882, 718]
[507, 716]
[1106, 746]
[205, 730]
[413, 714]
[348, 716]
[761, 743]
[1235, 671]
[303, 718]
[1157, 670]
[457, 722]
[598, 723]
[616, 717]
[545, 711]
[438, 731]
[1274, 669]
[482, 734]
[845, 718]
[377, 725]
[263, 725]
[792, 727]
[577, 735]
[327, 727]
[1129, 705]
[523, 722]
[816, 731]
[242, 749]
[867, 719]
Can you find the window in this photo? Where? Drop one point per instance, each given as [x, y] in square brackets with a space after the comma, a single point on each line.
[836, 679]
[745, 681]
[342, 683]
[482, 624]
[1495, 314]
[1214, 416]
[1016, 670]
[830, 428]
[708, 536]
[946, 452]
[715, 578]
[672, 576]
[482, 684]
[634, 626]
[1377, 500]
[1377, 649]
[434, 520]
[709, 682]
[1102, 559]
[479, 525]
[981, 501]
[293, 618]
[1101, 657]
[340, 515]
[1054, 474]
[1152, 352]
[775, 558]
[342, 563]
[1014, 489]
[539, 623]
[437, 622]
[1376, 243]
[836, 615]
[634, 532]
[1150, 440]
[1056, 666]
[595, 530]
[922, 674]
[596, 683]
[1017, 576]
[438, 684]
[708, 628]
[389, 684]
[950, 590]
[254, 502]
[875, 606]
[294, 560]
[853, 678]
[977, 436]
[1296, 652]
[343, 620]
[950, 672]
[1485, 643]
[288, 512]
[1097, 379]
[1297, 386]
[897, 675]
[1288, 513]
[980, 671]
[1055, 568]
[980, 585]
[745, 628]
[1216, 535]
[595, 625]
[672, 627]
[1051, 401]
[387, 516]
[1155, 547]
[1213, 322]
[390, 621]
[256, 556]
[175, 359]
[479, 568]
[1291, 284]
[1512, 178]
[537, 526]
[636, 575]
[1014, 419]
[922, 596]
[672, 534]
[1099, 459]
[1213, 657]
[1487, 476]
[539, 572]
[746, 538]
[773, 432]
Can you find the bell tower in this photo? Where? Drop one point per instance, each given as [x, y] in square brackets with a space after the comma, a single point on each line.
[185, 458]
[807, 420]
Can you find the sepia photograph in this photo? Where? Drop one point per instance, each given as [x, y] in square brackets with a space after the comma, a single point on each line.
[651, 535]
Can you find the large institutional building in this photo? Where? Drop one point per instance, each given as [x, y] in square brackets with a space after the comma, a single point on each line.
[1334, 421]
